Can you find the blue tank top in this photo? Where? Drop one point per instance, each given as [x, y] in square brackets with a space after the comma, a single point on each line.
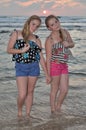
[32, 55]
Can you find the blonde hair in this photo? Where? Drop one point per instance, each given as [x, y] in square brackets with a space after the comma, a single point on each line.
[61, 31]
[26, 28]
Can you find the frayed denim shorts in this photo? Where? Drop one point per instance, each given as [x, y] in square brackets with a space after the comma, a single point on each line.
[27, 69]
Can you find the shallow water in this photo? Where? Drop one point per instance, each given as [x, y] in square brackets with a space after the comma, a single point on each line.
[73, 116]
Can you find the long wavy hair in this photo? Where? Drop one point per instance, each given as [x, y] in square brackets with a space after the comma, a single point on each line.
[61, 31]
[26, 28]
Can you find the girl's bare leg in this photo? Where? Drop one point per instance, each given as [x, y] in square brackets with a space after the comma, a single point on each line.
[22, 90]
[64, 81]
[29, 98]
[54, 90]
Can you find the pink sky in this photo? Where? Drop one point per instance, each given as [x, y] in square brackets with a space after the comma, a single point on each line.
[29, 7]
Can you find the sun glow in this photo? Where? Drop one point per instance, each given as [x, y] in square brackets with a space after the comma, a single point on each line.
[44, 11]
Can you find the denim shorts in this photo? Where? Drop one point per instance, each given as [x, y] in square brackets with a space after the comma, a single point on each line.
[27, 69]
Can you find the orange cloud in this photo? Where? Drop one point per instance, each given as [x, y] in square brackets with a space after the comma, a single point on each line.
[66, 3]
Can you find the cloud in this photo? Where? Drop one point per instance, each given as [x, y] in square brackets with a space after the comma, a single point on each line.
[81, 1]
[27, 3]
[29, 7]
[4, 2]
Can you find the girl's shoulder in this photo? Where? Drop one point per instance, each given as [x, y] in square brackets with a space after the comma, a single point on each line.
[18, 33]
[48, 41]
[49, 38]
[64, 31]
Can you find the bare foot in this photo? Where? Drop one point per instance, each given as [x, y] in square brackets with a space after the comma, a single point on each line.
[58, 107]
[28, 115]
[52, 110]
[19, 114]
[19, 117]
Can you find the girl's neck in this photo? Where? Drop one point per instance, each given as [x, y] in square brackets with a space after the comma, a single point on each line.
[55, 33]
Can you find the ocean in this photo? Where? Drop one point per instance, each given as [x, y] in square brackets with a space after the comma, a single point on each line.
[75, 102]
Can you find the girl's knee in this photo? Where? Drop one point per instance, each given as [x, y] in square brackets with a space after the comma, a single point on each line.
[65, 91]
[22, 96]
[30, 92]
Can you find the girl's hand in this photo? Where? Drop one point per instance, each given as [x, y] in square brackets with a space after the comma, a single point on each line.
[65, 43]
[48, 79]
[25, 48]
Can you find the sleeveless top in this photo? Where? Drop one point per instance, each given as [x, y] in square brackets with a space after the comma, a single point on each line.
[60, 53]
[32, 55]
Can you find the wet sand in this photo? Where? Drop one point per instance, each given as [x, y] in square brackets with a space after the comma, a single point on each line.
[73, 116]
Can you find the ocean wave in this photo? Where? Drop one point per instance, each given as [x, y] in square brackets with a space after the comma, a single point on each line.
[78, 73]
[7, 78]
[3, 31]
[10, 26]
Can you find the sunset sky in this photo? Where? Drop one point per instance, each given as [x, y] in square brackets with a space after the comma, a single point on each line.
[42, 7]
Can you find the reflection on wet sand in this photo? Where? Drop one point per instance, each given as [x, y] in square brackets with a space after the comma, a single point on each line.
[61, 122]
[72, 117]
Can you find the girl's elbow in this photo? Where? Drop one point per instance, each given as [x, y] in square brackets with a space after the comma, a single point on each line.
[72, 45]
[8, 51]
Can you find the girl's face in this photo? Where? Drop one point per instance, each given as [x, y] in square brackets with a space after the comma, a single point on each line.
[53, 24]
[34, 24]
